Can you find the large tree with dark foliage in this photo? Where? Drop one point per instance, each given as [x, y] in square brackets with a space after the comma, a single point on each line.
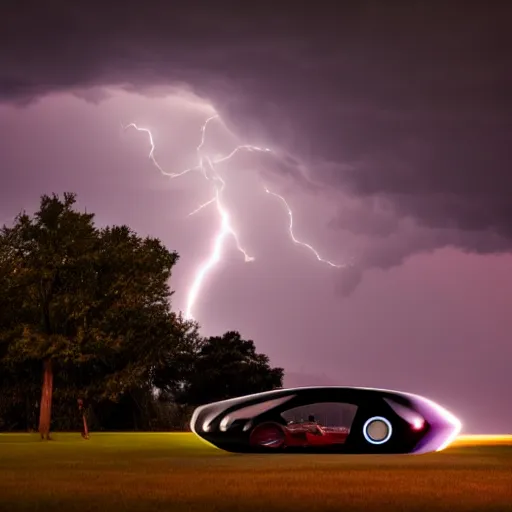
[222, 367]
[88, 307]
[86, 325]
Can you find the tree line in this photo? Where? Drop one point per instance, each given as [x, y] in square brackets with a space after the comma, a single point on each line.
[88, 337]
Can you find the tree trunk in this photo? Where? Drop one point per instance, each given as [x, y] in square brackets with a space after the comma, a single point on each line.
[81, 408]
[45, 411]
[27, 413]
[86, 428]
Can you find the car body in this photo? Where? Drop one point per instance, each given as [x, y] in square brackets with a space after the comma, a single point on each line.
[327, 420]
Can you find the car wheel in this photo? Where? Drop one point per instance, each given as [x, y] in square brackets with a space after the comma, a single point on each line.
[267, 435]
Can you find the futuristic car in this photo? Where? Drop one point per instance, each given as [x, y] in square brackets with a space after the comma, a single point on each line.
[327, 420]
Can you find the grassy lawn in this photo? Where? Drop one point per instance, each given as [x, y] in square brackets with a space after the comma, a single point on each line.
[153, 472]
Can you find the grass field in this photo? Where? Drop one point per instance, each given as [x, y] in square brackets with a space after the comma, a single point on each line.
[154, 472]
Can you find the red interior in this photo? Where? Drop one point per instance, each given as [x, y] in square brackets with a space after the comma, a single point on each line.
[312, 434]
[304, 434]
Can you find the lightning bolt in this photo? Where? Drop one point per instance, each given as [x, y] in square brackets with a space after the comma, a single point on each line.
[207, 166]
[204, 205]
[292, 235]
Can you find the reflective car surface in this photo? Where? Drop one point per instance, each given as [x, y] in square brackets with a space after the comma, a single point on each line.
[327, 420]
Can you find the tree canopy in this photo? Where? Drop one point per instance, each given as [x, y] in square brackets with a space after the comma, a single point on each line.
[87, 311]
[227, 366]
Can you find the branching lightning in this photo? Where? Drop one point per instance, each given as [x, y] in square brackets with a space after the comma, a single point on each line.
[292, 236]
[204, 205]
[207, 166]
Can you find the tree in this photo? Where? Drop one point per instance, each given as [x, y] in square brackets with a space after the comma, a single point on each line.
[222, 367]
[90, 306]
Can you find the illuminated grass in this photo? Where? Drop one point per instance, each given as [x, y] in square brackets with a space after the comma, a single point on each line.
[156, 472]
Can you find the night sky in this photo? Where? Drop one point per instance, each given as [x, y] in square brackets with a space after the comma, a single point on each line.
[390, 129]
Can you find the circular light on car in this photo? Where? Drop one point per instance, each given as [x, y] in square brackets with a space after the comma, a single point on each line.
[377, 430]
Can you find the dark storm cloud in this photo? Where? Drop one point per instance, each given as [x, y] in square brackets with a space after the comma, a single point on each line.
[396, 103]
[370, 216]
